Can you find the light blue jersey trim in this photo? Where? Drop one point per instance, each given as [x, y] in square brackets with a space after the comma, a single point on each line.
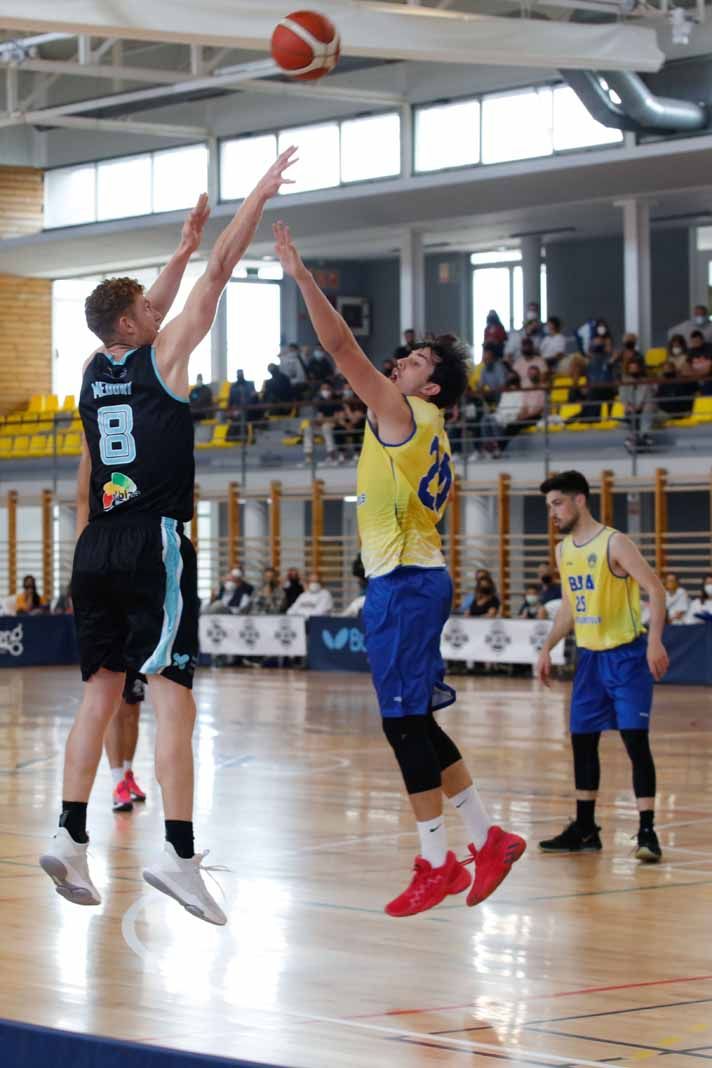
[154, 361]
[122, 361]
[162, 655]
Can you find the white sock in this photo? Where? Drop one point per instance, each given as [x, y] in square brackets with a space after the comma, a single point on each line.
[117, 775]
[475, 818]
[433, 840]
[127, 766]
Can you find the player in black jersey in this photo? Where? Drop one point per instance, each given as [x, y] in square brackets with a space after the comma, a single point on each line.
[134, 583]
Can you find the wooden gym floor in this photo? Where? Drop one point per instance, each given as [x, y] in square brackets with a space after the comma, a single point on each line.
[574, 960]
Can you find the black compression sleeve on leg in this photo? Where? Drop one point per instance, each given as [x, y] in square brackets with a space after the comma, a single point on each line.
[417, 759]
[445, 749]
[587, 767]
[637, 744]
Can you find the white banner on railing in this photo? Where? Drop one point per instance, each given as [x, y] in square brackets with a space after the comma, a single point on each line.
[505, 641]
[253, 635]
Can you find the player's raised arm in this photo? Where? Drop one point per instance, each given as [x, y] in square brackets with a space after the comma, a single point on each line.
[177, 341]
[627, 559]
[377, 392]
[163, 291]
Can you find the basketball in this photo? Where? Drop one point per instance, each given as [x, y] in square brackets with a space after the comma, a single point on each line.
[306, 45]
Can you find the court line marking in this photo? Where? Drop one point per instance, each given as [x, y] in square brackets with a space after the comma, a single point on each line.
[618, 1042]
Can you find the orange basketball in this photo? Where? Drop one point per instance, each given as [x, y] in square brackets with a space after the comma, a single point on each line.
[306, 45]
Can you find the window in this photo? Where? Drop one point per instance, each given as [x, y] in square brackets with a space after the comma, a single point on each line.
[123, 188]
[516, 125]
[72, 341]
[447, 136]
[253, 328]
[180, 175]
[501, 288]
[370, 148]
[70, 196]
[318, 166]
[242, 164]
[574, 126]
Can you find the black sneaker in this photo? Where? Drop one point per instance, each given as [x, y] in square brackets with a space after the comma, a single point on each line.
[648, 848]
[573, 840]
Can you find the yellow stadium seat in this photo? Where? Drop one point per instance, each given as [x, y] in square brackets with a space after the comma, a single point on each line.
[70, 403]
[568, 410]
[701, 411]
[563, 381]
[70, 444]
[223, 394]
[618, 411]
[8, 430]
[559, 395]
[14, 417]
[51, 402]
[219, 438]
[21, 446]
[41, 445]
[5, 447]
[36, 403]
[655, 357]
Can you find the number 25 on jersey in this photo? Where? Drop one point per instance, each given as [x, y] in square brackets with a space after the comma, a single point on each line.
[441, 468]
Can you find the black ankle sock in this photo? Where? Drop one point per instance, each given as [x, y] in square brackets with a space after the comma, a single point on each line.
[647, 819]
[74, 819]
[180, 834]
[584, 814]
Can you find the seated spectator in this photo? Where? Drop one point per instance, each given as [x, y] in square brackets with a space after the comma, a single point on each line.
[674, 394]
[201, 401]
[699, 322]
[579, 394]
[62, 604]
[495, 335]
[408, 345]
[350, 423]
[233, 596]
[28, 601]
[552, 346]
[294, 366]
[677, 602]
[700, 610]
[527, 358]
[388, 367]
[504, 423]
[319, 368]
[480, 574]
[638, 400]
[697, 346]
[492, 377]
[677, 351]
[292, 588]
[600, 371]
[534, 397]
[327, 408]
[269, 599]
[355, 608]
[530, 605]
[531, 328]
[241, 406]
[591, 330]
[485, 602]
[700, 363]
[277, 390]
[628, 351]
[315, 601]
[549, 584]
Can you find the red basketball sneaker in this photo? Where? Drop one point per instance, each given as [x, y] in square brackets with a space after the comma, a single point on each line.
[493, 862]
[135, 790]
[429, 886]
[122, 797]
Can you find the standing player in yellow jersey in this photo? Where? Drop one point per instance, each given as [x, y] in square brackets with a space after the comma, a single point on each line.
[404, 479]
[602, 573]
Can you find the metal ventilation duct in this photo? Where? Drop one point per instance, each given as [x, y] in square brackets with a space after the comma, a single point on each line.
[640, 109]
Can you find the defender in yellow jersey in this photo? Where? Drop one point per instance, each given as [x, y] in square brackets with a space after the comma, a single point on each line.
[404, 480]
[602, 573]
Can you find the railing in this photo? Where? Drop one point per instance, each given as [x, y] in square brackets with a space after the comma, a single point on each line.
[484, 528]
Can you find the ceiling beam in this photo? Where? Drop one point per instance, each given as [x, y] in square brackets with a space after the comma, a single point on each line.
[71, 69]
[75, 122]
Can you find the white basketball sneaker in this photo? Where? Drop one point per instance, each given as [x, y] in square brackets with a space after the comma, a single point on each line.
[182, 880]
[67, 866]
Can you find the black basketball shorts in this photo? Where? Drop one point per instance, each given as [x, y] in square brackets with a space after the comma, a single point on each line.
[134, 687]
[135, 594]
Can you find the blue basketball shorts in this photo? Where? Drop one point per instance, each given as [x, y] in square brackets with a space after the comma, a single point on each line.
[404, 616]
[613, 689]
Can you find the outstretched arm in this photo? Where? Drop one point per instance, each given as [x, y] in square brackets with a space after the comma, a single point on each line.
[163, 291]
[176, 342]
[626, 557]
[388, 404]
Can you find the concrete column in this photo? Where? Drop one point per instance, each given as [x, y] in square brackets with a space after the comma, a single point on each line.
[636, 268]
[479, 523]
[412, 282]
[218, 343]
[255, 529]
[531, 269]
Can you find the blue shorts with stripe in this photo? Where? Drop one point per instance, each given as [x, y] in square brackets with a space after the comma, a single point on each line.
[135, 597]
[613, 689]
[404, 616]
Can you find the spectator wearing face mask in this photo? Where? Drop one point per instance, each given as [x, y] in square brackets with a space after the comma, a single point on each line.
[480, 574]
[699, 321]
[528, 357]
[292, 587]
[531, 328]
[700, 365]
[319, 367]
[677, 352]
[233, 596]
[700, 610]
[269, 599]
[293, 364]
[495, 335]
[485, 603]
[677, 601]
[674, 394]
[327, 407]
[349, 425]
[628, 351]
[638, 400]
[530, 605]
[315, 601]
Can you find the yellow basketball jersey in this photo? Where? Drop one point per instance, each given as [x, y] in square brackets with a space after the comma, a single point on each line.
[606, 608]
[402, 494]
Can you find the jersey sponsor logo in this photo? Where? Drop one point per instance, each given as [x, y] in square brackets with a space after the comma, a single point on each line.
[589, 619]
[581, 582]
[361, 499]
[120, 489]
[181, 661]
[592, 560]
[111, 389]
[350, 637]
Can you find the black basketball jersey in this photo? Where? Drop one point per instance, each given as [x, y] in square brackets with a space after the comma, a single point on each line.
[140, 437]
